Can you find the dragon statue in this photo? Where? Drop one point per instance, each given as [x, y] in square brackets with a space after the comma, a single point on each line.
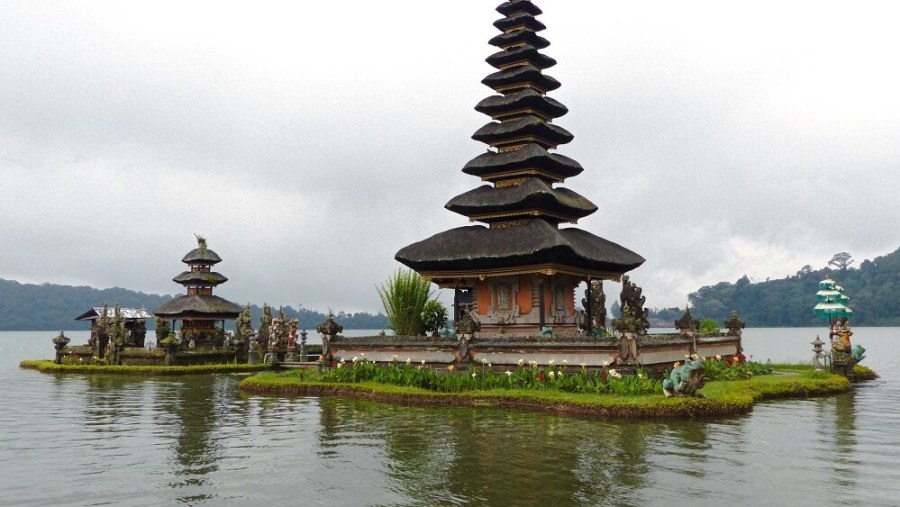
[686, 379]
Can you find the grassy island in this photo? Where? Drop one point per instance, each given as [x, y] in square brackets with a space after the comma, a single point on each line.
[46, 365]
[605, 394]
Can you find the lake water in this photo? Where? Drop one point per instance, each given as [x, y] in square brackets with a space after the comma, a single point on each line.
[101, 440]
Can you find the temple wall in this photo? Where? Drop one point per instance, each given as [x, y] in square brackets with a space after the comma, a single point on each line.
[503, 351]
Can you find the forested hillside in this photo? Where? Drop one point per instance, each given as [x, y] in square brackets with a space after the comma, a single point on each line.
[873, 287]
[27, 307]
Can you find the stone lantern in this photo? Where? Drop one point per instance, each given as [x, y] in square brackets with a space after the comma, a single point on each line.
[817, 351]
[59, 343]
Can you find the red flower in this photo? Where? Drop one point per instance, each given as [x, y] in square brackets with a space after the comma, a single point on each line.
[541, 376]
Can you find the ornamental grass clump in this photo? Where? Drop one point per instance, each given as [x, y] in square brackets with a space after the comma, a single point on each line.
[734, 368]
[408, 303]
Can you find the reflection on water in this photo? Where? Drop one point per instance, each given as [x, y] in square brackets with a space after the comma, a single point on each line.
[95, 440]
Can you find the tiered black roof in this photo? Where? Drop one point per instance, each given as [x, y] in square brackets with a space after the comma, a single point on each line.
[521, 206]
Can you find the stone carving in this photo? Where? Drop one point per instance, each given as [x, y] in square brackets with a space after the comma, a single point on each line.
[597, 304]
[687, 324]
[328, 329]
[734, 324]
[634, 315]
[467, 325]
[504, 308]
[686, 379]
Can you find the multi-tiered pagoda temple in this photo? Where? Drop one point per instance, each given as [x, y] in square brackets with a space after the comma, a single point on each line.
[199, 310]
[518, 272]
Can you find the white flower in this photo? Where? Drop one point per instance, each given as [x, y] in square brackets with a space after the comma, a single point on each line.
[615, 374]
[508, 373]
[363, 354]
[394, 358]
[408, 360]
[423, 362]
[560, 373]
[490, 365]
[343, 360]
[552, 375]
[552, 362]
[605, 363]
[355, 359]
[583, 365]
[341, 364]
[565, 362]
[483, 360]
[521, 362]
[474, 374]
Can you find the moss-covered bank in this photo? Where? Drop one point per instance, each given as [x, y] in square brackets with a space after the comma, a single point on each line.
[721, 398]
[51, 367]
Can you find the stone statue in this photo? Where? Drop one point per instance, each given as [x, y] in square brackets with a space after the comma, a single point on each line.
[858, 353]
[734, 324]
[597, 304]
[687, 324]
[686, 379]
[292, 335]
[636, 320]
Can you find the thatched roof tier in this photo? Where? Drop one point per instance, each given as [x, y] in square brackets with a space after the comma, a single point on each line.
[531, 159]
[529, 198]
[526, 101]
[536, 246]
[517, 78]
[519, 20]
[514, 6]
[198, 308]
[528, 128]
[201, 255]
[530, 37]
[520, 55]
[200, 278]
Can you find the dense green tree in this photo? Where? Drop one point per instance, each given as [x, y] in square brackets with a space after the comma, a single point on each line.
[873, 288]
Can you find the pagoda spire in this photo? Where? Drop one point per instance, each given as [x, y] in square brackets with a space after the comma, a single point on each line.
[519, 204]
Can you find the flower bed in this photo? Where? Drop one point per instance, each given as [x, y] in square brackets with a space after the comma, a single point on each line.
[528, 386]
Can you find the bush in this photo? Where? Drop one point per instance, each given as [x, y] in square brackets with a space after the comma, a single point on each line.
[408, 303]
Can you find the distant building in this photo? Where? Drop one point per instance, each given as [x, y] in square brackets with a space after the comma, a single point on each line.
[135, 326]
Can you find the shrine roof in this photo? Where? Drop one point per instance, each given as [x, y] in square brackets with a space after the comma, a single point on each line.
[514, 6]
[203, 277]
[198, 307]
[524, 99]
[519, 19]
[533, 194]
[475, 249]
[526, 126]
[127, 313]
[519, 54]
[521, 75]
[201, 255]
[526, 36]
[530, 157]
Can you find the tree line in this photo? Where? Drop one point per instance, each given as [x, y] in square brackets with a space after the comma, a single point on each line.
[30, 307]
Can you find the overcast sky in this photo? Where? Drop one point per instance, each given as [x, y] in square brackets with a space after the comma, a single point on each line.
[309, 141]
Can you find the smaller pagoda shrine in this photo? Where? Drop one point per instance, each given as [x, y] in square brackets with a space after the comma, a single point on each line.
[832, 305]
[202, 314]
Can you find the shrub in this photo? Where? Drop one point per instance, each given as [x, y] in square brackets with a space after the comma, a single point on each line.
[405, 297]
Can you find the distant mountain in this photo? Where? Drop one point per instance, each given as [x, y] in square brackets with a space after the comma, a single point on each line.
[873, 287]
[46, 307]
[27, 307]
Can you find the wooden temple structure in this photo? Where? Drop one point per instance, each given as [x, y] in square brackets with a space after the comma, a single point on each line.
[517, 271]
[202, 314]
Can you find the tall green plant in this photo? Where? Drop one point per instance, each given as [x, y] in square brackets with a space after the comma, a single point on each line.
[404, 297]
